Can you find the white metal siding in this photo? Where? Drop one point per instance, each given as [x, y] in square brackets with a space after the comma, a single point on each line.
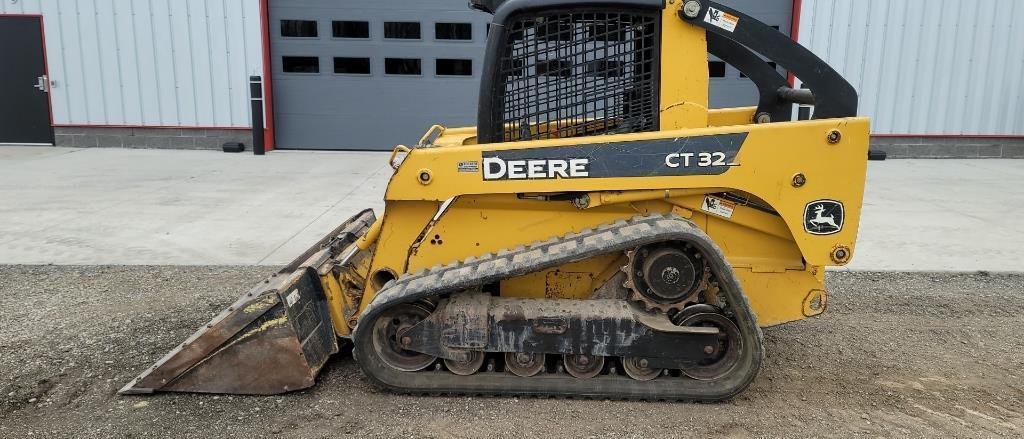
[149, 62]
[926, 66]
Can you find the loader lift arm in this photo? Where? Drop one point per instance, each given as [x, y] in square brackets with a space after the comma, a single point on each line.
[833, 96]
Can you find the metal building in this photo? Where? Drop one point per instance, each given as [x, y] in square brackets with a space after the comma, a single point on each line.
[926, 67]
[114, 66]
[369, 74]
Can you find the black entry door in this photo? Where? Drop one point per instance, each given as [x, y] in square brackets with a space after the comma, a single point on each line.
[24, 103]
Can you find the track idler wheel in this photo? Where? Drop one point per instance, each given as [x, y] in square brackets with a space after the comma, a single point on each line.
[727, 353]
[583, 366]
[388, 337]
[474, 360]
[524, 364]
[638, 369]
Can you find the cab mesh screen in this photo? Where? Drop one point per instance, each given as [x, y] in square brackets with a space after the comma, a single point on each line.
[565, 74]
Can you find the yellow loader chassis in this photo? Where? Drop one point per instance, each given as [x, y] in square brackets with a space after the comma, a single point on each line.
[780, 263]
[600, 232]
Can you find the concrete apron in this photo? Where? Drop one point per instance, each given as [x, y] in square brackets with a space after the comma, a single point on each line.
[100, 206]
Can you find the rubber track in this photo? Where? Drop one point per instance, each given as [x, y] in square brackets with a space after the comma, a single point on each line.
[488, 268]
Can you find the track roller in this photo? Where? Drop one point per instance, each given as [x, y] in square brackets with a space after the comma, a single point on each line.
[583, 366]
[524, 364]
[638, 369]
[474, 360]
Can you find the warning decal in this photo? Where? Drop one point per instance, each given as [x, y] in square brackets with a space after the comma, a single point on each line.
[722, 19]
[718, 206]
[292, 297]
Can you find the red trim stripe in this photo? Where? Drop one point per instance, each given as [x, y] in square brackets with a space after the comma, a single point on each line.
[168, 127]
[46, 67]
[268, 80]
[794, 31]
[966, 136]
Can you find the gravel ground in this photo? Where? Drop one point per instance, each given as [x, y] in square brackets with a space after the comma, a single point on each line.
[899, 355]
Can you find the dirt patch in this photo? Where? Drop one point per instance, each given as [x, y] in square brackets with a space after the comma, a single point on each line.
[899, 355]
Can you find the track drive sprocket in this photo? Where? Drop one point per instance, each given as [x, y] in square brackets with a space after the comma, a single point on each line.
[666, 278]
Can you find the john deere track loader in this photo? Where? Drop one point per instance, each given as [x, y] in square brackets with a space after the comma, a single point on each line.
[601, 232]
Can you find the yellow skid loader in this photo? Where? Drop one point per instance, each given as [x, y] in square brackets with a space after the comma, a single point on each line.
[601, 232]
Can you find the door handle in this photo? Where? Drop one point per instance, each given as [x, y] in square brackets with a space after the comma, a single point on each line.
[43, 84]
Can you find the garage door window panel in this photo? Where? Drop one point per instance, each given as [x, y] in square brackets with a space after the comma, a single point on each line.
[554, 68]
[350, 29]
[453, 31]
[454, 67]
[716, 69]
[403, 66]
[300, 64]
[299, 29]
[351, 66]
[402, 30]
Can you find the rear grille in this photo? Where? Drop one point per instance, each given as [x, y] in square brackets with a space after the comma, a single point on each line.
[565, 74]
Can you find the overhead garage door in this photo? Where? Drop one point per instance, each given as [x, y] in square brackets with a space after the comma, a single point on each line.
[371, 74]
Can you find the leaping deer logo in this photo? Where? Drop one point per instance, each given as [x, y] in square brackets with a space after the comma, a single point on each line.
[820, 220]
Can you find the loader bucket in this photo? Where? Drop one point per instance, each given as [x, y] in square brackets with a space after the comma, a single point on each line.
[273, 339]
